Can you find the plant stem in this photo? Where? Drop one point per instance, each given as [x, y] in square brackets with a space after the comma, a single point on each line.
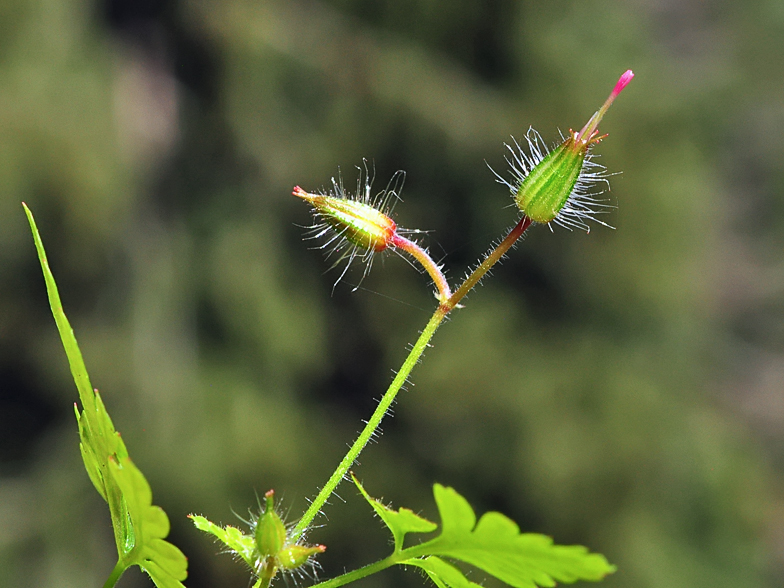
[389, 396]
[403, 556]
[360, 573]
[427, 262]
[118, 571]
[492, 258]
[373, 423]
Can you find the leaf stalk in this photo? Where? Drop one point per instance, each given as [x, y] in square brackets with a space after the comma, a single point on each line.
[114, 577]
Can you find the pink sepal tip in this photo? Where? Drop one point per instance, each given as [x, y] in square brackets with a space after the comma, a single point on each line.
[623, 81]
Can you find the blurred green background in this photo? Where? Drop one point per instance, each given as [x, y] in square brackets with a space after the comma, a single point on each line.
[623, 389]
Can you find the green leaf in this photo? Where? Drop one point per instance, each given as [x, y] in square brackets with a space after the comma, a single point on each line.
[443, 574]
[232, 537]
[78, 369]
[495, 545]
[139, 527]
[165, 564]
[399, 522]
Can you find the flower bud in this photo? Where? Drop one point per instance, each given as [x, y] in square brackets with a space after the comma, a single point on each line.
[358, 226]
[295, 556]
[270, 532]
[358, 222]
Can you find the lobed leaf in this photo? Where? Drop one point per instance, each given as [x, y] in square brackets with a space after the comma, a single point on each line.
[495, 545]
[443, 574]
[139, 527]
[164, 562]
[399, 522]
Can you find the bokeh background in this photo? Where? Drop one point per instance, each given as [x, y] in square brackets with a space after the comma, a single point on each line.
[622, 389]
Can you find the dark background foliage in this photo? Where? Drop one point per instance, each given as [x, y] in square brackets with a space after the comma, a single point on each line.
[621, 389]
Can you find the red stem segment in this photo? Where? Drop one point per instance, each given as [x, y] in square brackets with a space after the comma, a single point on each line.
[444, 293]
[493, 257]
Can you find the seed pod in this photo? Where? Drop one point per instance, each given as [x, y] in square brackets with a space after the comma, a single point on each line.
[270, 532]
[544, 191]
[557, 186]
[357, 222]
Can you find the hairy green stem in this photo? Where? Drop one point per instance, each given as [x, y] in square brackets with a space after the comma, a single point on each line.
[403, 556]
[114, 577]
[373, 423]
[360, 573]
[492, 258]
[413, 357]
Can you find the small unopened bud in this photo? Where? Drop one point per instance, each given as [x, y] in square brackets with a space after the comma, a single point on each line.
[270, 531]
[295, 556]
[358, 222]
[359, 226]
[556, 185]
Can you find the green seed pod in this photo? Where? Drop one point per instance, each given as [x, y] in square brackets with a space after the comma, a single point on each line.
[295, 556]
[270, 532]
[559, 185]
[544, 191]
[358, 222]
[356, 226]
